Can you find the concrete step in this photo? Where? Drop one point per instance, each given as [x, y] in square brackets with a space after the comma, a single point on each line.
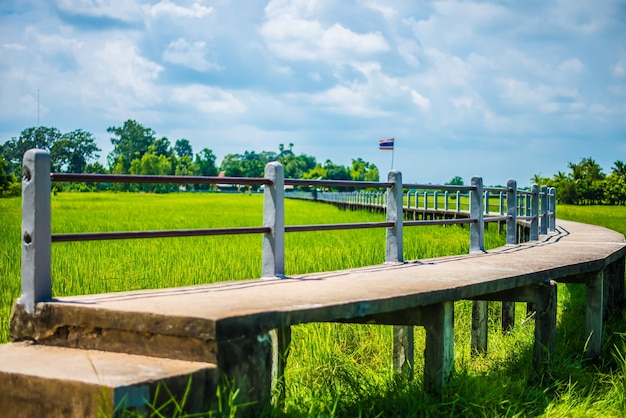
[38, 381]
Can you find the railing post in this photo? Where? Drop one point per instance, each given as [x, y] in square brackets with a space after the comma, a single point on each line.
[534, 212]
[435, 200]
[511, 211]
[445, 201]
[274, 217]
[394, 214]
[552, 209]
[487, 204]
[458, 201]
[36, 230]
[544, 210]
[477, 229]
[425, 201]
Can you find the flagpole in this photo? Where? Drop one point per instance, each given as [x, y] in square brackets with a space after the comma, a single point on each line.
[393, 151]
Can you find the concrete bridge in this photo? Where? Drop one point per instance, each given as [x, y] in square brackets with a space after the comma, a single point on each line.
[74, 356]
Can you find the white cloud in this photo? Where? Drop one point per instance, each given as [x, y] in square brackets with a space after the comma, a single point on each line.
[458, 102]
[14, 46]
[190, 55]
[292, 32]
[421, 101]
[208, 100]
[167, 8]
[572, 65]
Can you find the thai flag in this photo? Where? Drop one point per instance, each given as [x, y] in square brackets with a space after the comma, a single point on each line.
[385, 144]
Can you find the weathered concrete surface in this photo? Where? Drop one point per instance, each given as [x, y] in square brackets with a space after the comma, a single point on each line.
[43, 381]
[229, 322]
[209, 313]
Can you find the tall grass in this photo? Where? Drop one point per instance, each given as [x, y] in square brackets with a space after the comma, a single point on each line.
[333, 369]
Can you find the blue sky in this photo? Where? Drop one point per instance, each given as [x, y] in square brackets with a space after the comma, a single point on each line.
[503, 89]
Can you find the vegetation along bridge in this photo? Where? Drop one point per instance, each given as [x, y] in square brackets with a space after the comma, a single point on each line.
[84, 355]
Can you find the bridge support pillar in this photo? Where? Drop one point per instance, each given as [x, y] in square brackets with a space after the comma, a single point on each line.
[281, 342]
[480, 328]
[439, 352]
[614, 288]
[403, 350]
[246, 363]
[545, 325]
[594, 315]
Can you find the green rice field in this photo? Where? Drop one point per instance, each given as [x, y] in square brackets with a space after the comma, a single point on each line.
[333, 369]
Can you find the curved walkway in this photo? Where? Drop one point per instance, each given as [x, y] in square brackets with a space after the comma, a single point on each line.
[230, 323]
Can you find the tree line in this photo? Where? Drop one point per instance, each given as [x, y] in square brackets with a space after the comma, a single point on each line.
[586, 183]
[138, 150]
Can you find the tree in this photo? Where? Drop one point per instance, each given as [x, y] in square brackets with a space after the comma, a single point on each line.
[130, 142]
[73, 150]
[205, 161]
[456, 181]
[182, 148]
[619, 169]
[152, 163]
[40, 137]
[363, 171]
[6, 178]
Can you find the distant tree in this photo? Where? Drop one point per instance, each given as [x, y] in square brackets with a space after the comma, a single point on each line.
[619, 169]
[6, 178]
[152, 163]
[69, 152]
[363, 171]
[232, 166]
[538, 179]
[182, 148]
[162, 146]
[205, 161]
[40, 137]
[73, 150]
[295, 165]
[456, 181]
[130, 142]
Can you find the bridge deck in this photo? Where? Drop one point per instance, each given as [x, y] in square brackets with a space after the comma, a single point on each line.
[229, 323]
[230, 309]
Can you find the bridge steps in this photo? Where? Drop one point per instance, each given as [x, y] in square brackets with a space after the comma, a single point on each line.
[38, 380]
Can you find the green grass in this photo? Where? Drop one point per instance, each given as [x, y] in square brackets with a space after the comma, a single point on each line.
[333, 369]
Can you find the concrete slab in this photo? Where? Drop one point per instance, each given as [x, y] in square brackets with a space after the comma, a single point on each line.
[192, 320]
[43, 381]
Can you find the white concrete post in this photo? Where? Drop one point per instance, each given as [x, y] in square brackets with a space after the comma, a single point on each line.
[436, 200]
[534, 223]
[458, 201]
[544, 210]
[36, 230]
[511, 211]
[501, 203]
[477, 229]
[394, 214]
[486, 208]
[274, 217]
[552, 209]
[446, 204]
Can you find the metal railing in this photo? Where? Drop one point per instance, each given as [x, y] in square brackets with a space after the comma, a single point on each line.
[37, 236]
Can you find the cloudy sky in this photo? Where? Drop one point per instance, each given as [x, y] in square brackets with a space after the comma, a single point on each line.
[502, 89]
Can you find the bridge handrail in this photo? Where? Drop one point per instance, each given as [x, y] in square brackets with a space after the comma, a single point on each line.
[37, 236]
